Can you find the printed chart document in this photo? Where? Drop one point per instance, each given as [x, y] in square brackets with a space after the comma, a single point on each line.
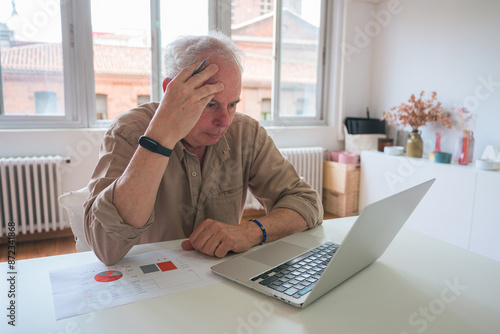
[95, 286]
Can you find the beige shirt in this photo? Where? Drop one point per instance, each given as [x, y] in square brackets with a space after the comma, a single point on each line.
[244, 158]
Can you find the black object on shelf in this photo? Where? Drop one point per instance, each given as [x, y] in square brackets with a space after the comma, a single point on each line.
[357, 126]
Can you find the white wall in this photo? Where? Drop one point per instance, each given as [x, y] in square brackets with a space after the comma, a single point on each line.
[358, 50]
[448, 46]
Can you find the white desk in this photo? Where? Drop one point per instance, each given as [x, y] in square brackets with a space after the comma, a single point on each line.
[406, 291]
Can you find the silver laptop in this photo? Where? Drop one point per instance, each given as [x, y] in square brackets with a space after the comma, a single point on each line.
[301, 268]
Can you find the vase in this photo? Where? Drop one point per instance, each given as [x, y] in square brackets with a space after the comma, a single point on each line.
[464, 155]
[414, 145]
[438, 143]
[459, 147]
[471, 146]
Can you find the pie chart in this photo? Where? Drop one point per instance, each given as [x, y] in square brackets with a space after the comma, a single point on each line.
[108, 276]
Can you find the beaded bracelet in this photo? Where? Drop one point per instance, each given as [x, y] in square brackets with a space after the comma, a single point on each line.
[262, 228]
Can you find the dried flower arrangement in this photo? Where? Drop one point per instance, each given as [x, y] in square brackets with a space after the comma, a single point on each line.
[467, 119]
[417, 113]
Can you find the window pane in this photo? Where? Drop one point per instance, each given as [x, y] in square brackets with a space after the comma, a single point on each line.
[45, 103]
[299, 57]
[122, 53]
[141, 99]
[252, 30]
[101, 106]
[31, 57]
[266, 109]
[182, 18]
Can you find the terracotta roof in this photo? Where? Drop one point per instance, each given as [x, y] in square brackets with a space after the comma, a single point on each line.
[302, 28]
[260, 69]
[122, 60]
[108, 59]
[32, 58]
[134, 61]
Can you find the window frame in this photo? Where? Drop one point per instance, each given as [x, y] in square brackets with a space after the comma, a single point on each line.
[2, 109]
[78, 74]
[73, 116]
[321, 87]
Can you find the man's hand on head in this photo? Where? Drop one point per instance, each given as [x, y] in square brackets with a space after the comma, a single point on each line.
[217, 239]
[182, 104]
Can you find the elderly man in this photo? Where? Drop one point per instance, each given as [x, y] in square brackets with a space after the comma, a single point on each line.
[182, 167]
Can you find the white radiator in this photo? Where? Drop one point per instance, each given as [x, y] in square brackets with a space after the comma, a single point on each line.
[29, 189]
[308, 162]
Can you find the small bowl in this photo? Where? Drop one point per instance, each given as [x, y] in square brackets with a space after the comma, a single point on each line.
[487, 164]
[442, 157]
[394, 150]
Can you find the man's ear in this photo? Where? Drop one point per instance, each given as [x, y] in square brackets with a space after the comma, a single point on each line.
[165, 83]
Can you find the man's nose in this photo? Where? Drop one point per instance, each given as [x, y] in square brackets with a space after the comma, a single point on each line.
[222, 117]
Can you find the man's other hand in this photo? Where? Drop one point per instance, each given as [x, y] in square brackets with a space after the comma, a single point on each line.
[217, 239]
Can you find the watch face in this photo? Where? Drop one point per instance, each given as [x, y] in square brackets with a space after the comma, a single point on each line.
[153, 146]
[149, 144]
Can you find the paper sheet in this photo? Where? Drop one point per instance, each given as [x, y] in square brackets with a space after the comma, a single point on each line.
[92, 287]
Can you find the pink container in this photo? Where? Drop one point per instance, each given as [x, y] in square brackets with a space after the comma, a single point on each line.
[334, 155]
[348, 158]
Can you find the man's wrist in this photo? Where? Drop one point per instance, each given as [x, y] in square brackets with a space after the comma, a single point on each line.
[165, 138]
[263, 231]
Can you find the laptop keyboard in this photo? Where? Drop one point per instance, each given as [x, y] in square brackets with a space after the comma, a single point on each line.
[298, 276]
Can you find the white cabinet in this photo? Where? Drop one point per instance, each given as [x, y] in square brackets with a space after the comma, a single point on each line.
[459, 208]
[485, 232]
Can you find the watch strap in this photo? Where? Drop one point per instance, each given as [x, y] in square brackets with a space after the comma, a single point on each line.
[154, 146]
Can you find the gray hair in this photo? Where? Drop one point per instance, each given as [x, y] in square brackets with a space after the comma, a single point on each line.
[185, 51]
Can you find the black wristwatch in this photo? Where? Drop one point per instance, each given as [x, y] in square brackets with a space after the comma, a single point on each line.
[153, 146]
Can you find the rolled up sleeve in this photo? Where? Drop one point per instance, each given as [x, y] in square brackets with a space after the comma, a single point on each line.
[107, 234]
[276, 184]
[109, 237]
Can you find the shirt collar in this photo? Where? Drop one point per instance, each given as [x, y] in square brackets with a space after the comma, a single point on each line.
[220, 149]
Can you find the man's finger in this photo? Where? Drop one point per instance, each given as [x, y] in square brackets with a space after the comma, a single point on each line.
[217, 235]
[186, 245]
[208, 91]
[208, 72]
[199, 230]
[223, 248]
[187, 73]
[202, 234]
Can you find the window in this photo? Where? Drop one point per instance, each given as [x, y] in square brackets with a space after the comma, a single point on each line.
[173, 24]
[283, 59]
[266, 6]
[72, 63]
[265, 114]
[141, 99]
[101, 106]
[32, 81]
[299, 56]
[301, 105]
[124, 58]
[45, 103]
[122, 52]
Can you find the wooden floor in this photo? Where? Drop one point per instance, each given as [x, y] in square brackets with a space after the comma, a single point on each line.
[66, 244]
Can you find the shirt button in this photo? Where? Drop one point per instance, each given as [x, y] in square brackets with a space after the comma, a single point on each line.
[193, 173]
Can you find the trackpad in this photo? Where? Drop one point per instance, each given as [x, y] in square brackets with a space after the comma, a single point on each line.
[276, 253]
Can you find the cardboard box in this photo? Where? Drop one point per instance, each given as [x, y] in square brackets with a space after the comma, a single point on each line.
[341, 205]
[341, 178]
